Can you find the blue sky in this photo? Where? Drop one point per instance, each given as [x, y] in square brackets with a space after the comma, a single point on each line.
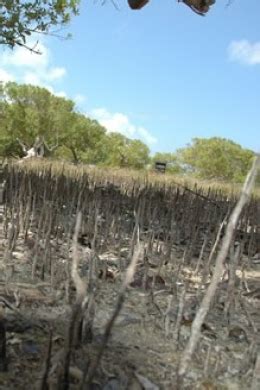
[162, 74]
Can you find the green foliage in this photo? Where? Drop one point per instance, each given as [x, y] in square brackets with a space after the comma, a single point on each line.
[217, 158]
[138, 154]
[123, 152]
[28, 112]
[20, 18]
[115, 150]
[83, 138]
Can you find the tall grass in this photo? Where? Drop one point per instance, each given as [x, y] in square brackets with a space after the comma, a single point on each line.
[125, 177]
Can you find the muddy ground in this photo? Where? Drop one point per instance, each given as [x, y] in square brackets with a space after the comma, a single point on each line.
[146, 341]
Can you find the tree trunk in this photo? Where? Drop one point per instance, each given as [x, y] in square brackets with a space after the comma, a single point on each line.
[74, 154]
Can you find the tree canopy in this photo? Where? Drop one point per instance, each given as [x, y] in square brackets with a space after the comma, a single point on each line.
[21, 18]
[31, 116]
[123, 152]
[216, 158]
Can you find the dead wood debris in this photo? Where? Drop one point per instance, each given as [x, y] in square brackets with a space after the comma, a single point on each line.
[68, 280]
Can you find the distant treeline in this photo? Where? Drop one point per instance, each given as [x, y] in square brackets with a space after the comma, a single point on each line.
[29, 112]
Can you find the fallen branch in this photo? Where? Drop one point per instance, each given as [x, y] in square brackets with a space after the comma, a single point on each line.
[27, 294]
[209, 294]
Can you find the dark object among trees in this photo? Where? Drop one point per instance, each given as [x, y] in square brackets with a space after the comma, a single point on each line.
[160, 166]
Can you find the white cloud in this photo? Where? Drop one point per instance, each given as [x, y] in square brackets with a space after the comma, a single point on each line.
[5, 76]
[31, 78]
[34, 79]
[32, 68]
[148, 138]
[120, 123]
[245, 52]
[79, 99]
[116, 122]
[21, 57]
[60, 94]
[55, 74]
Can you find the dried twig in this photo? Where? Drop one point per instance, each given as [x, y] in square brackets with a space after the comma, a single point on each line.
[6, 303]
[81, 291]
[44, 382]
[212, 252]
[3, 357]
[256, 375]
[248, 315]
[120, 300]
[209, 294]
[207, 361]
[80, 285]
[180, 314]
[233, 263]
[167, 315]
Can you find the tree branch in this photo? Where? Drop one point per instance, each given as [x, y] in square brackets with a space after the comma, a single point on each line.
[23, 146]
[209, 294]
